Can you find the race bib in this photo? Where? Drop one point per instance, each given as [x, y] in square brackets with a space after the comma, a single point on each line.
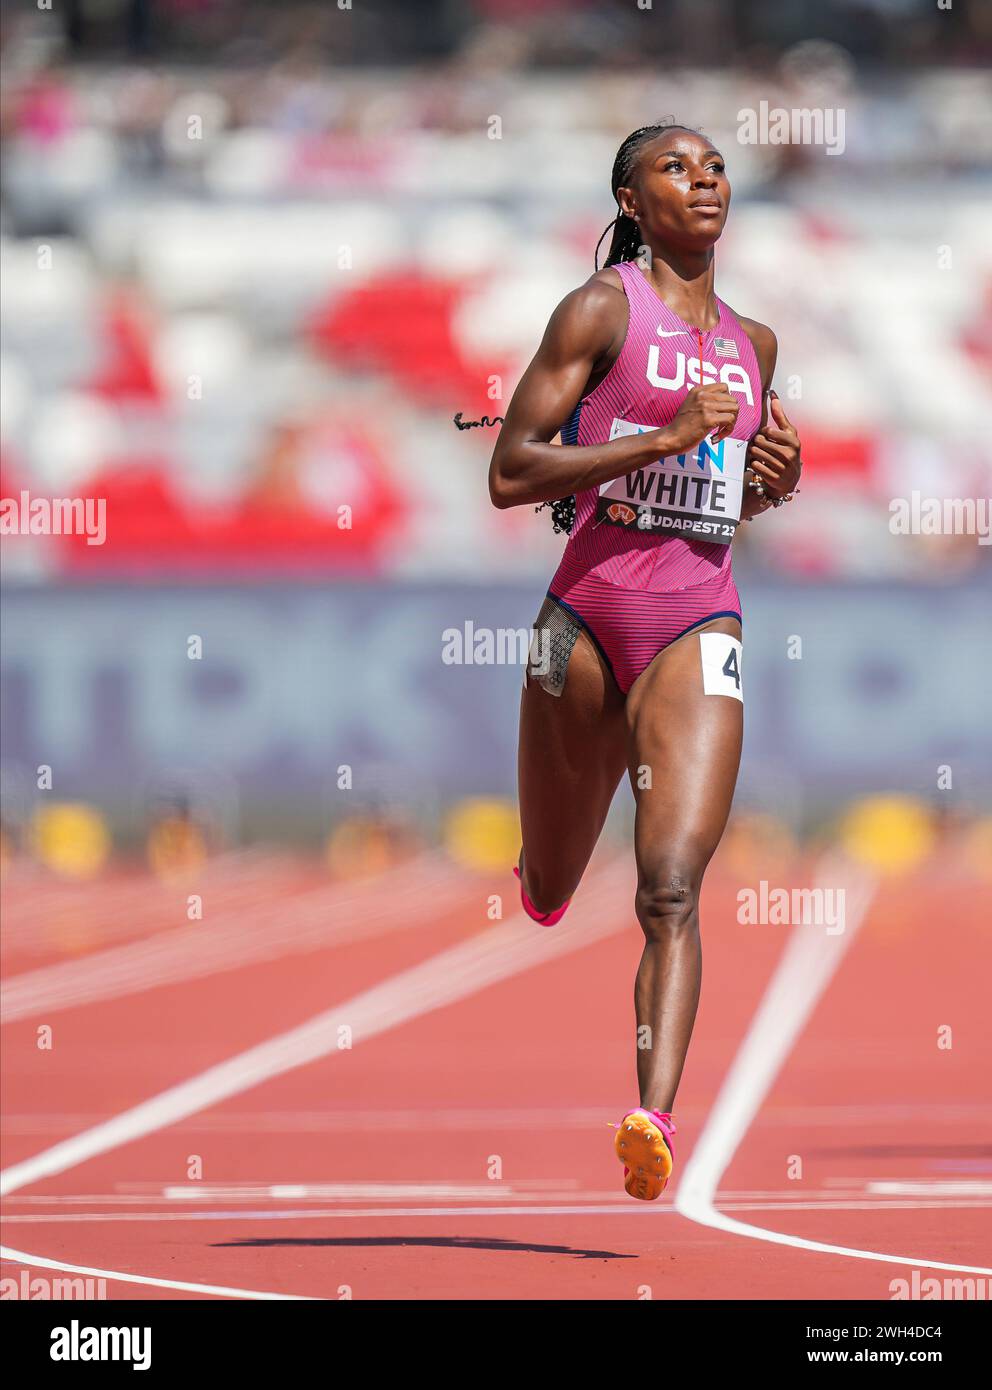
[721, 658]
[697, 494]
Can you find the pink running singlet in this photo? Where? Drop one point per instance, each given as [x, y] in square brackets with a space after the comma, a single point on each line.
[649, 557]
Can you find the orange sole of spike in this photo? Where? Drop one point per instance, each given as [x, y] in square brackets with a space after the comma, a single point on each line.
[641, 1146]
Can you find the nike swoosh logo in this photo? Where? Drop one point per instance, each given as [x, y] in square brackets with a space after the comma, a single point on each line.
[678, 333]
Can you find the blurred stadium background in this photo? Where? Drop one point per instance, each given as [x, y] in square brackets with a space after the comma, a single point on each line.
[256, 256]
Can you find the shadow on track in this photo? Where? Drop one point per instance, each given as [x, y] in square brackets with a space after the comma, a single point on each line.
[452, 1242]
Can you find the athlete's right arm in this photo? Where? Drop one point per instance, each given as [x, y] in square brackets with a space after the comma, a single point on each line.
[584, 335]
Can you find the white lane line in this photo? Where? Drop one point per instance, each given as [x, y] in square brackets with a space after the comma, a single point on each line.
[496, 954]
[147, 1196]
[367, 1213]
[327, 916]
[39, 1262]
[355, 1191]
[807, 966]
[611, 1206]
[934, 1188]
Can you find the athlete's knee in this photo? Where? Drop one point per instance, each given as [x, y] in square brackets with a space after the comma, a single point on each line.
[667, 903]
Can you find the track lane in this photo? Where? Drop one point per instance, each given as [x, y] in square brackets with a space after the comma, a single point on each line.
[505, 1051]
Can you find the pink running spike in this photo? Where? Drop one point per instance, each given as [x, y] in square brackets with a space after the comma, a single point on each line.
[546, 919]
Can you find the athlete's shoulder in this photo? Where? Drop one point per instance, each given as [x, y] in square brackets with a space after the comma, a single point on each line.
[764, 342]
[592, 313]
[608, 276]
[602, 294]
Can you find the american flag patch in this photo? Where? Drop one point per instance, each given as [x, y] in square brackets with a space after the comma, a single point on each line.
[725, 347]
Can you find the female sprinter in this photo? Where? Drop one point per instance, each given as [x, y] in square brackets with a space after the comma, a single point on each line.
[659, 392]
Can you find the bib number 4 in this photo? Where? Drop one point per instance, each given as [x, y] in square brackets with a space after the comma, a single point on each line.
[721, 658]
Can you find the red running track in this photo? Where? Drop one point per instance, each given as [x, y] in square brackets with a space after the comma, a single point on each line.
[459, 1148]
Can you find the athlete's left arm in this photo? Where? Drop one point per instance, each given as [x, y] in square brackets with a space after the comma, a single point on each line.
[773, 454]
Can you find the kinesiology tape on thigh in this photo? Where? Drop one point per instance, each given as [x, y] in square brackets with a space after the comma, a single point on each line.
[555, 634]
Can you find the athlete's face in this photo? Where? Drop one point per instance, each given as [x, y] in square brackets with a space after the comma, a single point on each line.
[679, 192]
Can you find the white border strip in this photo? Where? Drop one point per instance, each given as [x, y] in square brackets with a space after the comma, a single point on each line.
[806, 968]
[39, 1262]
[612, 1207]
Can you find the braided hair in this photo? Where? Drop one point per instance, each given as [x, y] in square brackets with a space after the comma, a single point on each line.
[624, 246]
[626, 242]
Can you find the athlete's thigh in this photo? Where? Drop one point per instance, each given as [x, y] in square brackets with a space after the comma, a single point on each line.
[685, 733]
[572, 754]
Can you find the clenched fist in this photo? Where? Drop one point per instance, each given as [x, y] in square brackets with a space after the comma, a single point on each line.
[709, 409]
